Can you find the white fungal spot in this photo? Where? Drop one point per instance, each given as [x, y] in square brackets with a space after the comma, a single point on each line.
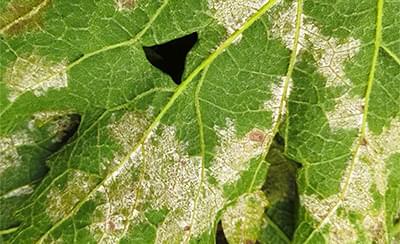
[356, 183]
[333, 58]
[330, 53]
[9, 156]
[340, 229]
[61, 199]
[128, 131]
[35, 74]
[20, 191]
[348, 113]
[375, 226]
[160, 175]
[366, 169]
[233, 154]
[377, 149]
[242, 221]
[157, 175]
[232, 14]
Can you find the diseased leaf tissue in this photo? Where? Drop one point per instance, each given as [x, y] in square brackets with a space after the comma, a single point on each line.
[283, 124]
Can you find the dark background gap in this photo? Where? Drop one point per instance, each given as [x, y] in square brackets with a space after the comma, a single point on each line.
[170, 57]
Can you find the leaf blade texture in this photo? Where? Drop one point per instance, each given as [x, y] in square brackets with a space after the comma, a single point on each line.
[113, 151]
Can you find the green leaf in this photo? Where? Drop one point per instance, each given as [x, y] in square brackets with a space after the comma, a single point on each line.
[99, 146]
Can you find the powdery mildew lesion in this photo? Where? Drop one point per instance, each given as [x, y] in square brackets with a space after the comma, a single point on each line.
[340, 229]
[61, 199]
[232, 14]
[34, 74]
[330, 53]
[233, 154]
[119, 195]
[365, 173]
[242, 221]
[158, 175]
[348, 113]
[9, 155]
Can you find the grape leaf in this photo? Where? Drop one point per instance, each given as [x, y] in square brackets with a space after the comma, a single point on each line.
[343, 124]
[150, 161]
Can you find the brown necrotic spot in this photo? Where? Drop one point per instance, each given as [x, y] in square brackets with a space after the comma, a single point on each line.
[257, 136]
[123, 5]
[22, 15]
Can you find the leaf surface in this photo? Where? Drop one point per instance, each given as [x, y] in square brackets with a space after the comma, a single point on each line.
[99, 146]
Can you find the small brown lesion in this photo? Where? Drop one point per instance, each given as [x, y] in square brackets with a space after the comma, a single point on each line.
[20, 15]
[257, 135]
[187, 228]
[364, 141]
[125, 4]
[110, 226]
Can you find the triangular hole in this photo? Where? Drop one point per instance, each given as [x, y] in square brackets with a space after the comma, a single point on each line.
[170, 57]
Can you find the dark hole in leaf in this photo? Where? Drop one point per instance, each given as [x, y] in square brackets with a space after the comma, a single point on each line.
[170, 57]
[220, 236]
[71, 128]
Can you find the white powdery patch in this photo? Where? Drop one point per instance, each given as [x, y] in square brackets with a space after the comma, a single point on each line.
[61, 199]
[369, 168]
[127, 131]
[35, 74]
[112, 216]
[274, 103]
[377, 149]
[347, 114]
[242, 221]
[21, 191]
[356, 183]
[330, 53]
[333, 58]
[119, 193]
[233, 154]
[9, 156]
[172, 181]
[166, 177]
[375, 225]
[340, 229]
[365, 170]
[232, 14]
